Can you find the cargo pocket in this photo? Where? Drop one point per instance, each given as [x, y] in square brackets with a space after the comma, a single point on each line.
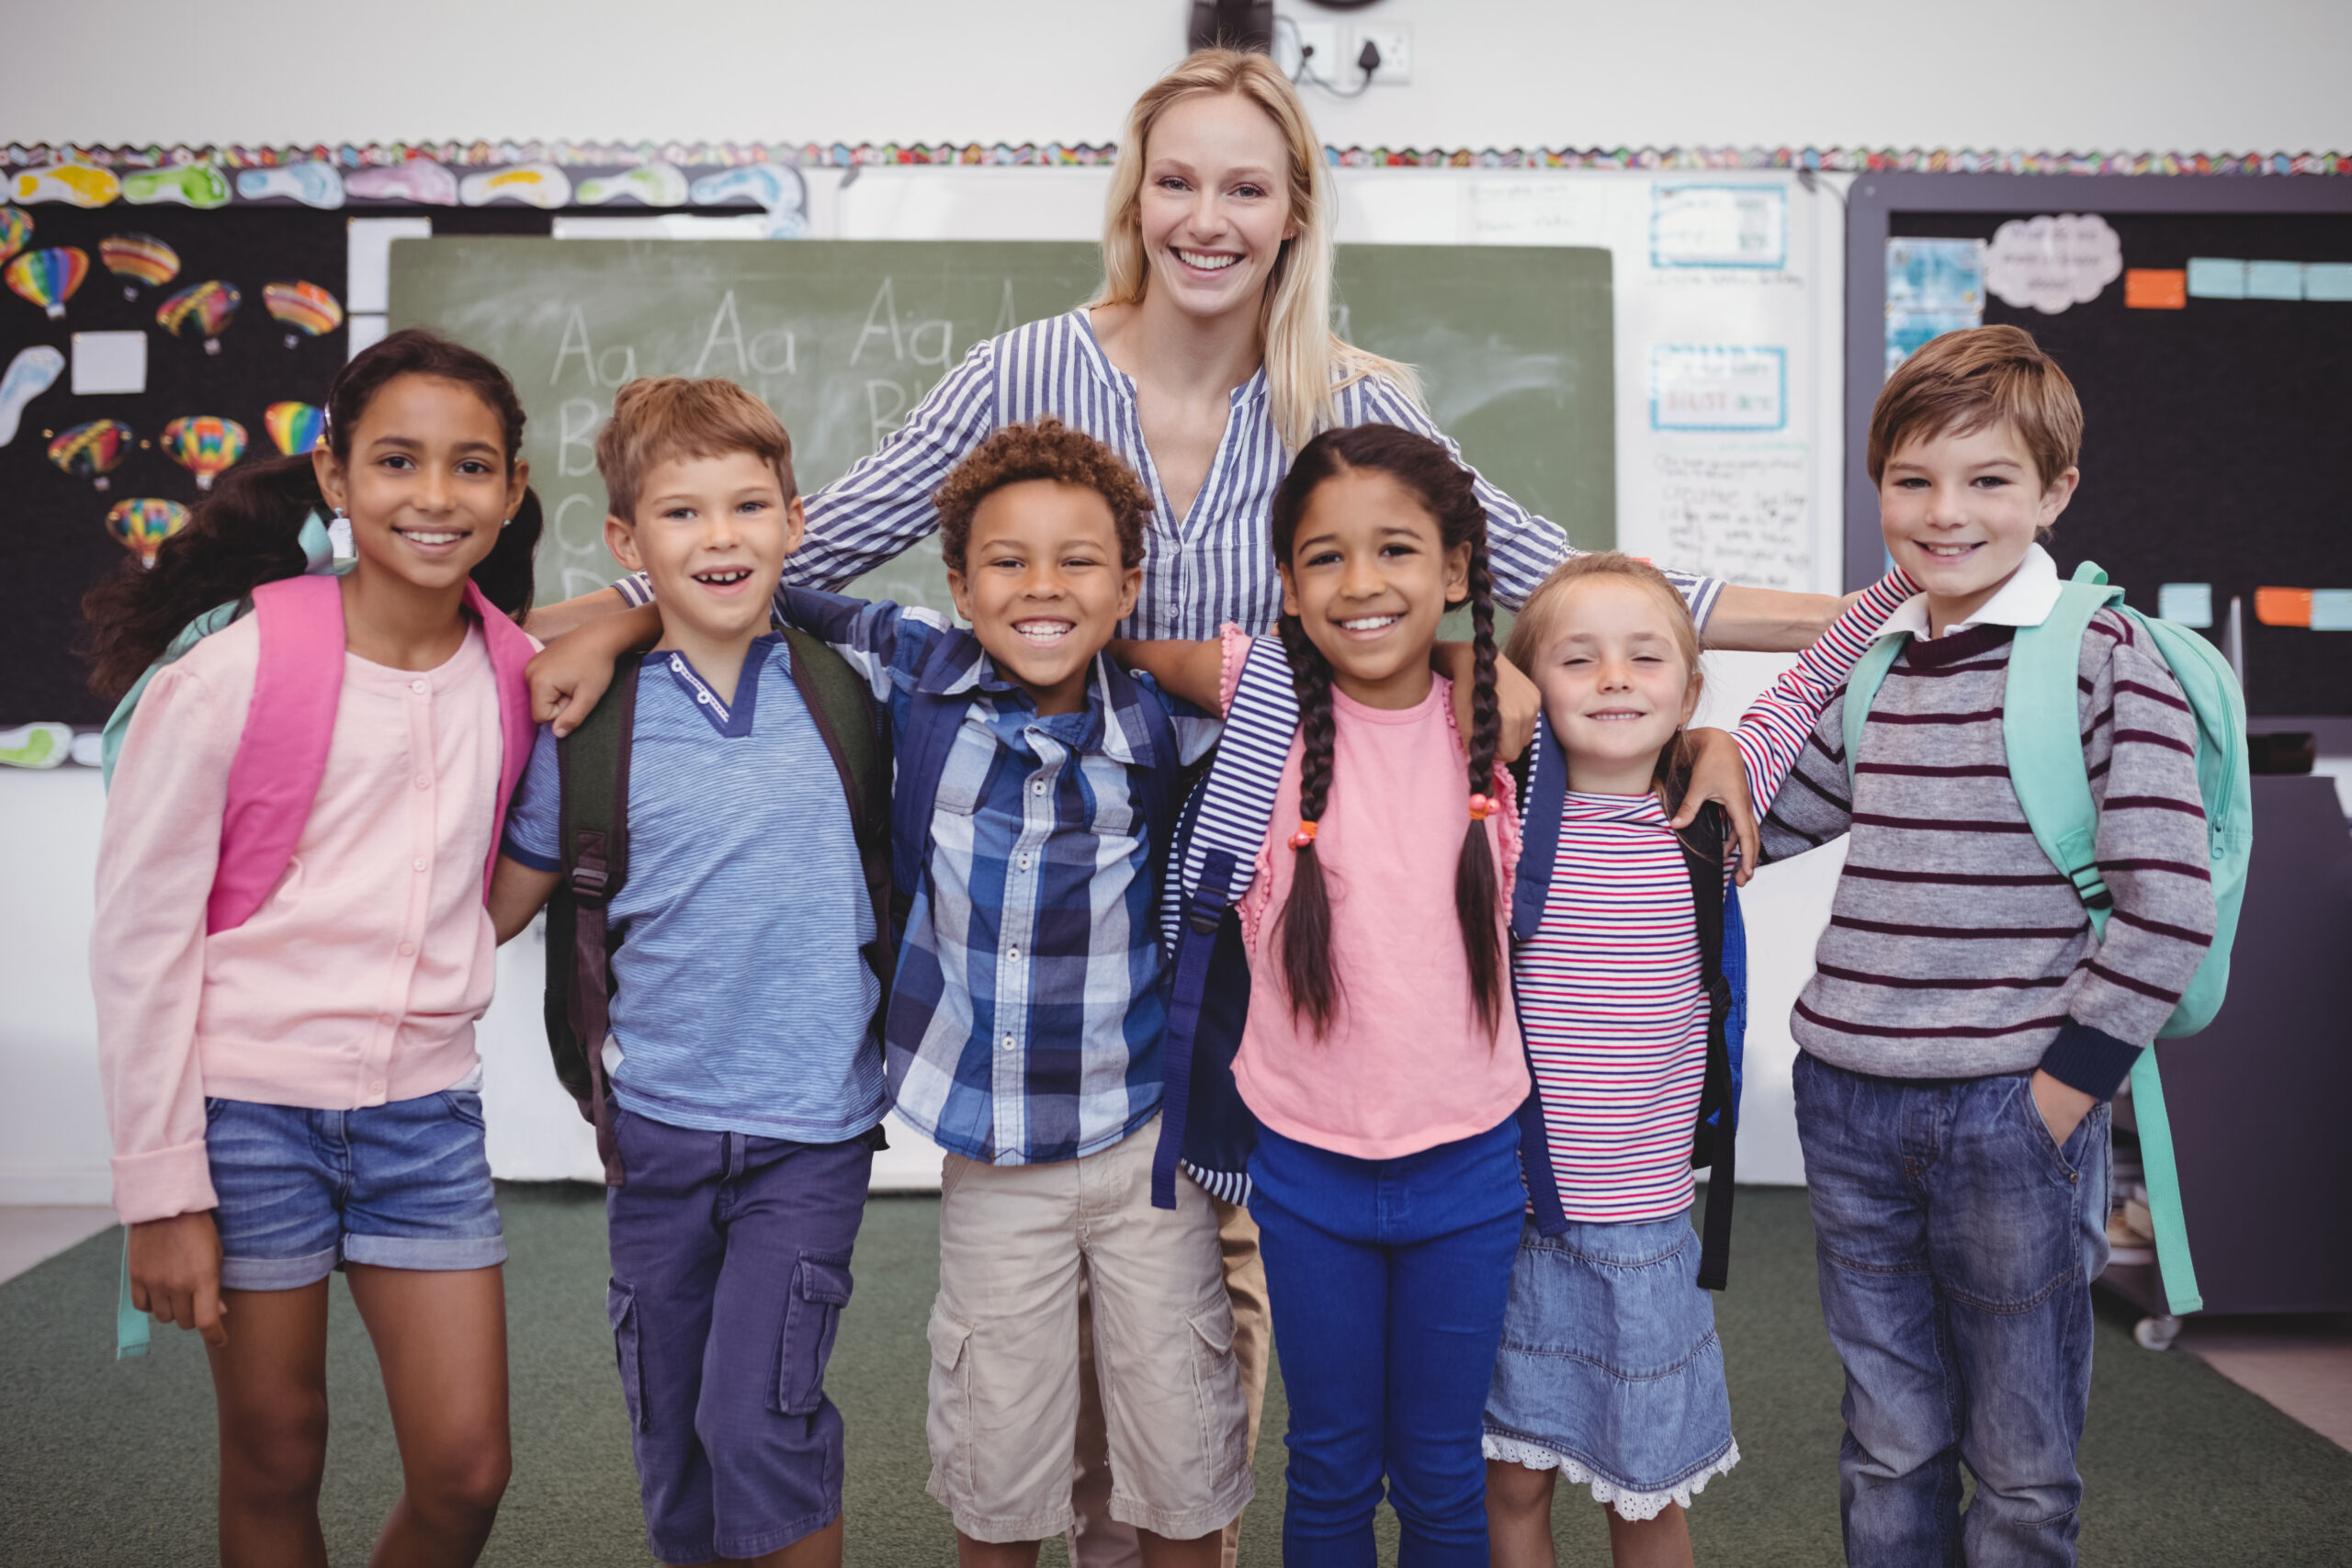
[620, 1306]
[1216, 1392]
[950, 1399]
[820, 1289]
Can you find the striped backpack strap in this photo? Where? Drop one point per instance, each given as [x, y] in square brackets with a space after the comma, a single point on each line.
[1237, 800]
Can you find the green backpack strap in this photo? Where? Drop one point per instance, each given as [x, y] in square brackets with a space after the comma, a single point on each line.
[841, 703]
[592, 767]
[1861, 690]
[2042, 728]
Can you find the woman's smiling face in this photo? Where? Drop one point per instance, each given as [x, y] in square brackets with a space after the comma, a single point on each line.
[1215, 208]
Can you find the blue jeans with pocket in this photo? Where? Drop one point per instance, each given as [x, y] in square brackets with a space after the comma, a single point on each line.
[1958, 1241]
[1387, 1280]
[731, 1268]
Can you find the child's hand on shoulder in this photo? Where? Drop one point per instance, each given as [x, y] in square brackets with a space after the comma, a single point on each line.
[570, 676]
[1719, 773]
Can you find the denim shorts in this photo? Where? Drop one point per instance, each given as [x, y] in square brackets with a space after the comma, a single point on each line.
[302, 1192]
[1611, 1371]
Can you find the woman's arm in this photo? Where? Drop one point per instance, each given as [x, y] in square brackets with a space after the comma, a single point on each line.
[1193, 671]
[1765, 620]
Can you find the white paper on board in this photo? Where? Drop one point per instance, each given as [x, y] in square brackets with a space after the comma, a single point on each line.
[1718, 386]
[107, 362]
[367, 255]
[2048, 264]
[2186, 604]
[1739, 512]
[1719, 225]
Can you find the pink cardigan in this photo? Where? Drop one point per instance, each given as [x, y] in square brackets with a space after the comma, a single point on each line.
[290, 880]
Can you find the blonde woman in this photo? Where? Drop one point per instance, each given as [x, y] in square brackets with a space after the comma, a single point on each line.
[1205, 360]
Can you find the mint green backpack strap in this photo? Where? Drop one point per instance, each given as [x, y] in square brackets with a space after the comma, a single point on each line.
[2162, 1173]
[2041, 727]
[1861, 689]
[131, 1327]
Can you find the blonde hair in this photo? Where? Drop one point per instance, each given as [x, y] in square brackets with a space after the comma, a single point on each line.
[1307, 362]
[656, 419]
[1539, 626]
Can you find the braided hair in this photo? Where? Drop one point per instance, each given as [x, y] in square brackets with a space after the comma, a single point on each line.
[1445, 488]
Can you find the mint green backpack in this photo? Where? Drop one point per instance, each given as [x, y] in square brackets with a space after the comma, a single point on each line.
[2040, 726]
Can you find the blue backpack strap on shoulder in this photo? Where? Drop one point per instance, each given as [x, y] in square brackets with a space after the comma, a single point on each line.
[1204, 1124]
[929, 734]
[1543, 803]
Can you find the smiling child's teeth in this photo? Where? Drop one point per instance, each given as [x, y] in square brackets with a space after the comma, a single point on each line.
[1369, 623]
[434, 538]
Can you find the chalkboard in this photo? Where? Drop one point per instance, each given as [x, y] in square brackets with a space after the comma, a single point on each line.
[843, 337]
[2214, 439]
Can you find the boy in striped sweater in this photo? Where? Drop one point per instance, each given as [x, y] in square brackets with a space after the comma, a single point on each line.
[1964, 1029]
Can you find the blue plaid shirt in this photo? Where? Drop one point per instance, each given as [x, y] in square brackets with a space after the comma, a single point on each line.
[1026, 1022]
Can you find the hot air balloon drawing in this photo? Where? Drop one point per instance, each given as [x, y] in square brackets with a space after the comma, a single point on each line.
[48, 278]
[15, 230]
[294, 427]
[137, 259]
[209, 306]
[307, 308]
[205, 445]
[92, 451]
[143, 523]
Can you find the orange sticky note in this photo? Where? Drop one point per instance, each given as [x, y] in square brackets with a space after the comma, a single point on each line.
[2153, 288]
[2283, 606]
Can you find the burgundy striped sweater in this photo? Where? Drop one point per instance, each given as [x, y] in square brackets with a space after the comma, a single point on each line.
[1954, 948]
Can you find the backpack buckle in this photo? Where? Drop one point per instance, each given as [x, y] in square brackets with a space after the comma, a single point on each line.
[1206, 913]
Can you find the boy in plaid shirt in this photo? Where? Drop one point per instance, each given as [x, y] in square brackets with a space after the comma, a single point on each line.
[1026, 1018]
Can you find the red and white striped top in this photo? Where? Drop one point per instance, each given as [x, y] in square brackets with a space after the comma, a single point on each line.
[1608, 988]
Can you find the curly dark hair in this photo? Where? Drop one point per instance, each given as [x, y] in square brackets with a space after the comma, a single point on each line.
[1045, 449]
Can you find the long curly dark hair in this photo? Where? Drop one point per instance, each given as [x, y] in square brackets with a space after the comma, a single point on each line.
[1445, 488]
[245, 533]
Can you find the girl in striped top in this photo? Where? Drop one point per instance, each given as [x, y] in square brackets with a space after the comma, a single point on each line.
[1610, 1371]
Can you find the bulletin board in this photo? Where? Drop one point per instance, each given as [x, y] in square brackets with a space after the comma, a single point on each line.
[2215, 370]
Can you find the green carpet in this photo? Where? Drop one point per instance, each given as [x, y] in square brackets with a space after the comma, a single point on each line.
[108, 1463]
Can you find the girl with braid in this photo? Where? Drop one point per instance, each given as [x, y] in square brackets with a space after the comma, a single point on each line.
[1382, 1055]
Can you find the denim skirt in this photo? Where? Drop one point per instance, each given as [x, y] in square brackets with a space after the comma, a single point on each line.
[1611, 1371]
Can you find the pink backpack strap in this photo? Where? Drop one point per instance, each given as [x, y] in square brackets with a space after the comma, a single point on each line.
[510, 653]
[282, 754]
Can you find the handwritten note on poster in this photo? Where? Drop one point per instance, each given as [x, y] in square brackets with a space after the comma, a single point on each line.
[1718, 386]
[1719, 225]
[1739, 513]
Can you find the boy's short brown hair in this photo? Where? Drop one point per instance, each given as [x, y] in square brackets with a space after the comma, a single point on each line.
[656, 419]
[1963, 381]
[1047, 449]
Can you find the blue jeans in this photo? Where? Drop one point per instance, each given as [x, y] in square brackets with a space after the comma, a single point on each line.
[1957, 1244]
[1387, 1280]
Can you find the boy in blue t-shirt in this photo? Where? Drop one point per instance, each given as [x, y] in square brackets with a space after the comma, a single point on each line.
[746, 1072]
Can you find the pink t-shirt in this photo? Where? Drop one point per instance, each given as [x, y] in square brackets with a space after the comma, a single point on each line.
[359, 979]
[1408, 1065]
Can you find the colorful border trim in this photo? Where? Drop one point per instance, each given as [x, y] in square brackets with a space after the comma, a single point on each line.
[728, 155]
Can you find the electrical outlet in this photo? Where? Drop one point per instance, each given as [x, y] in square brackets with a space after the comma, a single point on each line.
[1318, 43]
[1396, 46]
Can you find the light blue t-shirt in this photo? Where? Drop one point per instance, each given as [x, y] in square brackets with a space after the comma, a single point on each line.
[741, 1001]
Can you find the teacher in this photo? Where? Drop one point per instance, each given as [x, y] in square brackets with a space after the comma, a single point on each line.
[1205, 360]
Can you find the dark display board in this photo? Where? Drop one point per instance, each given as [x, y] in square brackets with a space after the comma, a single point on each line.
[2216, 434]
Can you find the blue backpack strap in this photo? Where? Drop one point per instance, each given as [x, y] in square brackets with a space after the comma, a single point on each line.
[1211, 863]
[1154, 783]
[921, 747]
[1543, 802]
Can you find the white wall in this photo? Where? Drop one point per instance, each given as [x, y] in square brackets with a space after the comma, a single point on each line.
[2195, 75]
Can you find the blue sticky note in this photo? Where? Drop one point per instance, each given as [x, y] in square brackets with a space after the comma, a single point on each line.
[2330, 281]
[2186, 604]
[2331, 609]
[2274, 280]
[2216, 278]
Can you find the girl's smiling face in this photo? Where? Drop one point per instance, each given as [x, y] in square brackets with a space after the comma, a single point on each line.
[1214, 207]
[1369, 579]
[1617, 684]
[427, 484]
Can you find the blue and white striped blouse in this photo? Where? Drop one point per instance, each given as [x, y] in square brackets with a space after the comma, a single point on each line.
[1213, 566]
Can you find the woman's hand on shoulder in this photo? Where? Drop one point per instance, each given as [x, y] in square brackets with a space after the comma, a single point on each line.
[175, 1267]
[1719, 773]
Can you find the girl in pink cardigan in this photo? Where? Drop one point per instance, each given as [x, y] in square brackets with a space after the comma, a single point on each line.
[291, 948]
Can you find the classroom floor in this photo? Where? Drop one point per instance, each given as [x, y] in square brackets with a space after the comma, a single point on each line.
[110, 1462]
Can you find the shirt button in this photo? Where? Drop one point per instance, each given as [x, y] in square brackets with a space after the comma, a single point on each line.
[1024, 863]
[375, 1089]
[386, 1020]
[1013, 952]
[417, 686]
[407, 948]
[1037, 788]
[417, 864]
[1008, 1042]
[424, 781]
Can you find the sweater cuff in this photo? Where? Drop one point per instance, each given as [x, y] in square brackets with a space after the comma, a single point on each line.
[2089, 1059]
[163, 1183]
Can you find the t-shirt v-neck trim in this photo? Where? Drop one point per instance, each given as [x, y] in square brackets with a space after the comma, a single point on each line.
[732, 721]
